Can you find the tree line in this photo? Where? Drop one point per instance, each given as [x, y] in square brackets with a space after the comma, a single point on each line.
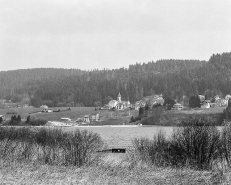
[175, 79]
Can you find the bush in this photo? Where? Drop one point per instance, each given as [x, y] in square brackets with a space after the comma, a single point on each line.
[196, 145]
[15, 120]
[28, 119]
[198, 120]
[155, 118]
[153, 151]
[34, 121]
[137, 118]
[50, 146]
[38, 122]
[226, 143]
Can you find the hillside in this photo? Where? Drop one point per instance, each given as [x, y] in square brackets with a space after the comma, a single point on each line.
[16, 79]
[73, 87]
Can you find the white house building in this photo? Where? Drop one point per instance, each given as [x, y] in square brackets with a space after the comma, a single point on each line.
[140, 103]
[177, 106]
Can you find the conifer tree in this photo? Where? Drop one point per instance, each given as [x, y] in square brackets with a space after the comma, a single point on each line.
[28, 119]
[18, 118]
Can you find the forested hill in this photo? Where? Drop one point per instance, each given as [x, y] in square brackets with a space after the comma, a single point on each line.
[10, 80]
[67, 87]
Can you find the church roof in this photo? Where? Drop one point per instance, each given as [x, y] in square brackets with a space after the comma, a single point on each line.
[112, 101]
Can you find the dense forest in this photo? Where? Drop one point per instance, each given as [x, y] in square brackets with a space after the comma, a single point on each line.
[176, 79]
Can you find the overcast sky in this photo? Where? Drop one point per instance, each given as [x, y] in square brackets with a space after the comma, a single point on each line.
[91, 34]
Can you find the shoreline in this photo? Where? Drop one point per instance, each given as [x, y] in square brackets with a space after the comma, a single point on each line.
[93, 126]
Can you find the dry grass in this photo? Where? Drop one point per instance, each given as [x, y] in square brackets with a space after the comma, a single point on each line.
[107, 173]
[112, 168]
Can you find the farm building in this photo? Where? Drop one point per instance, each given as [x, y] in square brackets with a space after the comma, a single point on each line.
[86, 119]
[177, 106]
[140, 103]
[150, 101]
[206, 104]
[94, 117]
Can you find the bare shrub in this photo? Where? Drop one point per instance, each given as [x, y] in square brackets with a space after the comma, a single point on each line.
[50, 146]
[153, 151]
[195, 145]
[226, 143]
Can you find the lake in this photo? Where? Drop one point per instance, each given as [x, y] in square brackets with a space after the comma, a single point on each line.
[122, 136]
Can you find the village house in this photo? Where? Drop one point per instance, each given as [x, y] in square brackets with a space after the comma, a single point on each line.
[177, 106]
[150, 101]
[201, 97]
[44, 106]
[86, 119]
[7, 104]
[105, 107]
[94, 117]
[221, 102]
[206, 104]
[90, 118]
[227, 96]
[46, 109]
[155, 99]
[119, 104]
[139, 104]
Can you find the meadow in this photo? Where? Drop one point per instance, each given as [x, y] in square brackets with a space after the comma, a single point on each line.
[214, 110]
[159, 116]
[107, 117]
[118, 117]
[74, 113]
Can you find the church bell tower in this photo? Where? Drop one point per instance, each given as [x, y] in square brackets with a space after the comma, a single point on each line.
[119, 97]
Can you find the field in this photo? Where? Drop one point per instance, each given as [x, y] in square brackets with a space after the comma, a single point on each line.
[106, 117]
[74, 113]
[214, 110]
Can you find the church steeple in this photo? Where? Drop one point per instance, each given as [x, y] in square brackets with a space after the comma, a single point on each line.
[119, 97]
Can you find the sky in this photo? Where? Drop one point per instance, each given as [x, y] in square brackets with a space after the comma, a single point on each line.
[98, 34]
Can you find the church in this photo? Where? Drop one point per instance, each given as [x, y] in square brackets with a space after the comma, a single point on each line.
[119, 104]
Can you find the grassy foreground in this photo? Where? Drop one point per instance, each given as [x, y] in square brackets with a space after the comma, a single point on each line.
[107, 173]
[197, 154]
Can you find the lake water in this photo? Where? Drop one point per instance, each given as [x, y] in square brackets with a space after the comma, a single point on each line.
[122, 136]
